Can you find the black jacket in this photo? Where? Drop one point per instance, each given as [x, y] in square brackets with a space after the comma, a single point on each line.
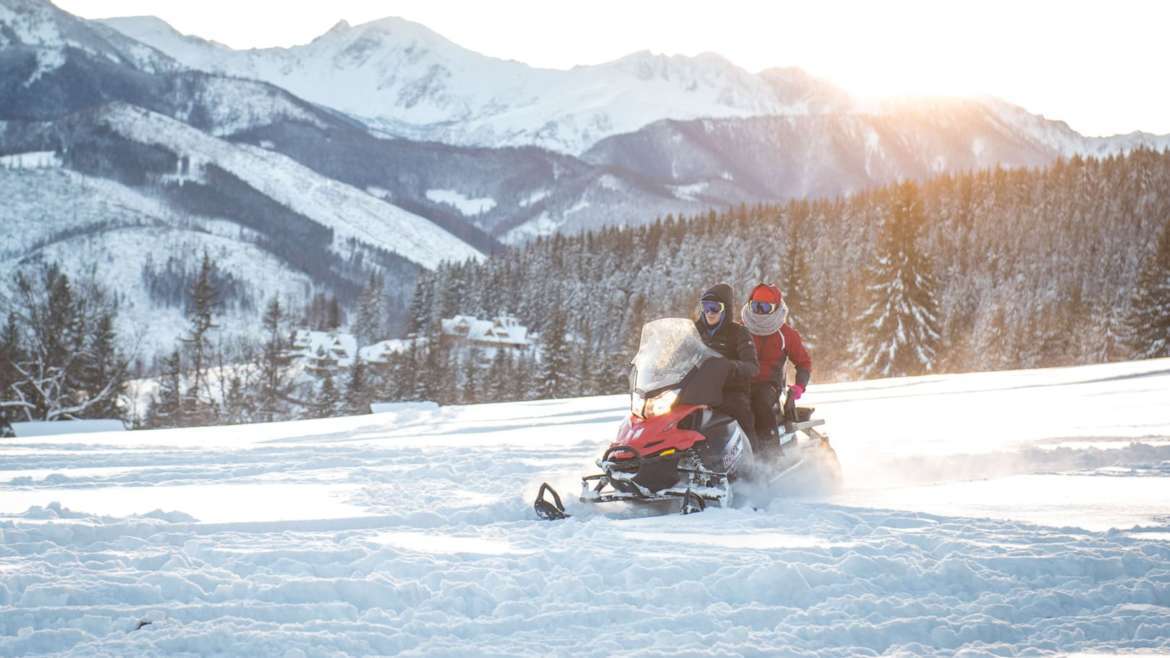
[733, 341]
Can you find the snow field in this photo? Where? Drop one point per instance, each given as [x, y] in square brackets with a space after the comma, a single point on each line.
[411, 533]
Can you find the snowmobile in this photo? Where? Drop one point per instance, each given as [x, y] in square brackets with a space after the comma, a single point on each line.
[675, 447]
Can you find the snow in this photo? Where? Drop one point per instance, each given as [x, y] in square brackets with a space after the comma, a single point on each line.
[690, 192]
[982, 514]
[578, 207]
[350, 212]
[48, 212]
[41, 428]
[409, 81]
[31, 160]
[467, 206]
[47, 62]
[535, 197]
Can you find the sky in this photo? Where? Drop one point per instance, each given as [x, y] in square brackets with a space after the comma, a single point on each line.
[1100, 66]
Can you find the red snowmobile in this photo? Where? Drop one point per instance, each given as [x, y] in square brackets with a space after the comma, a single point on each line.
[674, 446]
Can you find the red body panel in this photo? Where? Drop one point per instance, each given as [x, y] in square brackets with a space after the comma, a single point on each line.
[649, 436]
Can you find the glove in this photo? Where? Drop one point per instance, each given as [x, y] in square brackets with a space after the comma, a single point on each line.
[795, 391]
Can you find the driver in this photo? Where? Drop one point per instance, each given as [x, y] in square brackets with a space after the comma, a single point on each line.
[733, 341]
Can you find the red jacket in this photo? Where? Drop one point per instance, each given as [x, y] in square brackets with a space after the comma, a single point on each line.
[774, 349]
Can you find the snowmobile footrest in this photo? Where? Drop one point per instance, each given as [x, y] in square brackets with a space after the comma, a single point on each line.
[549, 511]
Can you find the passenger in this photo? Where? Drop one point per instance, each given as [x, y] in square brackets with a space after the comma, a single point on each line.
[776, 341]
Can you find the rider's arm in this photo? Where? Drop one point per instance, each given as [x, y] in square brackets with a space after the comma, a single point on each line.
[746, 363]
[798, 354]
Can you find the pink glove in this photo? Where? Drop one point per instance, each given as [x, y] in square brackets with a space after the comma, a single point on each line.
[795, 391]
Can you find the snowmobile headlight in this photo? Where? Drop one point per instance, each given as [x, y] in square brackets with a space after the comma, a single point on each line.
[661, 403]
[637, 404]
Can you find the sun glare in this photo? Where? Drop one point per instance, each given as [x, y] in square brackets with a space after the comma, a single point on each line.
[1068, 60]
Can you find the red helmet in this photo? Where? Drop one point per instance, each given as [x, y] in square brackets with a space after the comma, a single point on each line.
[766, 292]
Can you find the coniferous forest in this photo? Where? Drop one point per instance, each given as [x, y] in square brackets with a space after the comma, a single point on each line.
[997, 269]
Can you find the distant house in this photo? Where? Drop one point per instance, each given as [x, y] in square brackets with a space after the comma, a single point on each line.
[332, 351]
[502, 332]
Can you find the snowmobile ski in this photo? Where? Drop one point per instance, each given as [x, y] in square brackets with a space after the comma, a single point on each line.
[549, 511]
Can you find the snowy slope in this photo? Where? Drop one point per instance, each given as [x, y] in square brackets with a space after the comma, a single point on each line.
[84, 223]
[350, 212]
[410, 533]
[412, 82]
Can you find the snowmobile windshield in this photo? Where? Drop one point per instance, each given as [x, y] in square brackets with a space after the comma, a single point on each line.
[670, 349]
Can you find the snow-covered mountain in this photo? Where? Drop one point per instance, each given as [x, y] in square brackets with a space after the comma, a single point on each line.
[38, 28]
[112, 146]
[405, 79]
[658, 134]
[409, 81]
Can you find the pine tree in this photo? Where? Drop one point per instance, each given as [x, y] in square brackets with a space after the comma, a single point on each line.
[521, 385]
[327, 401]
[200, 318]
[899, 328]
[471, 377]
[368, 326]
[795, 270]
[357, 394]
[274, 361]
[103, 368]
[405, 374]
[585, 365]
[1149, 318]
[432, 376]
[237, 404]
[421, 303]
[166, 408]
[498, 383]
[555, 375]
[68, 366]
[10, 356]
[333, 315]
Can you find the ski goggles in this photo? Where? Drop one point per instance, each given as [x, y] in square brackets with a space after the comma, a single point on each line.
[764, 308]
[711, 306]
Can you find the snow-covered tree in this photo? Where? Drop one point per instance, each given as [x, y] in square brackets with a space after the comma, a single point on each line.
[357, 388]
[369, 324]
[472, 379]
[10, 355]
[102, 365]
[275, 357]
[1149, 317]
[201, 407]
[899, 332]
[555, 375]
[499, 377]
[166, 407]
[794, 271]
[326, 400]
[63, 358]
